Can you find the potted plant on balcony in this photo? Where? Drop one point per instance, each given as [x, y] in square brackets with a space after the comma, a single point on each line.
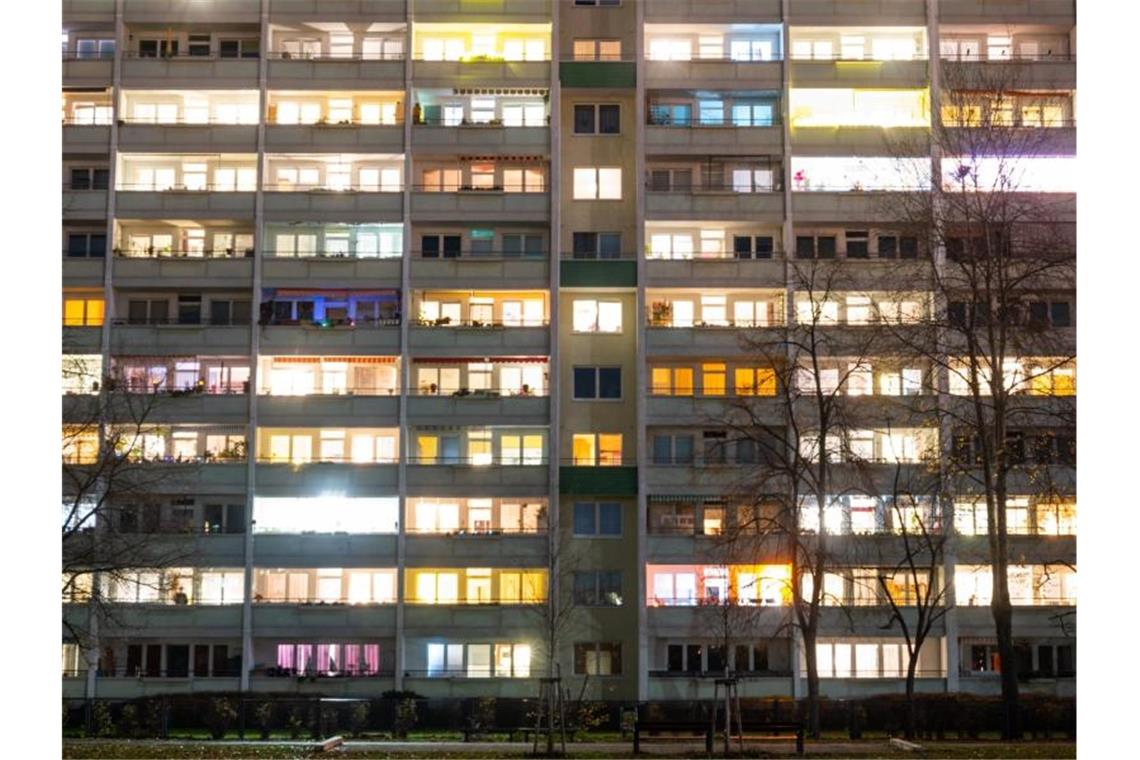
[660, 313]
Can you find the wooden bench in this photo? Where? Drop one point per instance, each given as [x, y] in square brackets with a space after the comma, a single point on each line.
[510, 731]
[776, 731]
[646, 730]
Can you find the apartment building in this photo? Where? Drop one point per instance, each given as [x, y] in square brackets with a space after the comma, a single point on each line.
[434, 307]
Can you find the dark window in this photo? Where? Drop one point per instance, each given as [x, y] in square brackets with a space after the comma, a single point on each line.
[717, 659]
[693, 655]
[675, 658]
[189, 309]
[429, 246]
[85, 244]
[659, 180]
[714, 447]
[1066, 664]
[100, 179]
[1038, 314]
[1060, 314]
[662, 449]
[908, 247]
[760, 656]
[1045, 659]
[1015, 447]
[80, 179]
[609, 382]
[585, 245]
[235, 518]
[888, 246]
[229, 48]
[177, 660]
[805, 247]
[742, 246]
[746, 451]
[219, 315]
[584, 120]
[452, 244]
[221, 661]
[215, 518]
[857, 244]
[683, 449]
[955, 248]
[609, 119]
[198, 45]
[201, 660]
[134, 659]
[129, 519]
[609, 518]
[585, 382]
[485, 246]
[153, 660]
[609, 245]
[826, 246]
[956, 313]
[764, 246]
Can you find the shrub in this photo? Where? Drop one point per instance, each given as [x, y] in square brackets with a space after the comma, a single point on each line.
[482, 714]
[589, 716]
[358, 718]
[129, 721]
[220, 715]
[263, 718]
[296, 722]
[101, 723]
[405, 719]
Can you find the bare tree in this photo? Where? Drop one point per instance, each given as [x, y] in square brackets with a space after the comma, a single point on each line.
[799, 430]
[1003, 258]
[106, 473]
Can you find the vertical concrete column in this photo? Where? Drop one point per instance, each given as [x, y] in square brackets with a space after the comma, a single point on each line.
[254, 346]
[643, 649]
[554, 447]
[405, 444]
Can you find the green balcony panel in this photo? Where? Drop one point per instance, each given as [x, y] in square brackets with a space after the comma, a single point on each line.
[598, 74]
[598, 481]
[599, 274]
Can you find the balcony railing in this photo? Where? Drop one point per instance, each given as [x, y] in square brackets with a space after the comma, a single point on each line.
[187, 56]
[361, 672]
[522, 460]
[179, 187]
[326, 324]
[175, 253]
[285, 55]
[1014, 57]
[339, 601]
[497, 123]
[774, 58]
[477, 532]
[168, 388]
[182, 121]
[356, 390]
[726, 122]
[290, 254]
[480, 393]
[481, 255]
[145, 672]
[178, 322]
[477, 190]
[486, 324]
[481, 601]
[712, 186]
[323, 459]
[722, 256]
[291, 187]
[865, 58]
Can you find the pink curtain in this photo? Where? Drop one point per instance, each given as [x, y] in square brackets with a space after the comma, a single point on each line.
[304, 657]
[322, 659]
[286, 656]
[351, 658]
[371, 659]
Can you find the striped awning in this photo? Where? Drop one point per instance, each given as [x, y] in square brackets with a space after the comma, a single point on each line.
[335, 359]
[483, 360]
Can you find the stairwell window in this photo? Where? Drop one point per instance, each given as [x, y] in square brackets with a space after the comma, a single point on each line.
[597, 316]
[597, 183]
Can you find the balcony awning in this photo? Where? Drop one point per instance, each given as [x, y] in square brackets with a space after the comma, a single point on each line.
[501, 91]
[483, 360]
[335, 359]
[687, 498]
[506, 159]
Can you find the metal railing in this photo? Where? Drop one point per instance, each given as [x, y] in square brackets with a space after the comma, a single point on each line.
[177, 322]
[188, 56]
[179, 187]
[702, 122]
[322, 57]
[479, 393]
[169, 253]
[296, 461]
[521, 460]
[298, 187]
[710, 186]
[356, 390]
[465, 123]
[326, 324]
[495, 255]
[479, 323]
[476, 532]
[475, 190]
[326, 255]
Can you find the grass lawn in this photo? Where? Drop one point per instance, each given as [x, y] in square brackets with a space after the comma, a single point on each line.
[130, 750]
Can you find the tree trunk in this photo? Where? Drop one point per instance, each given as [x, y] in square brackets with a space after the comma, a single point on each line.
[1003, 624]
[813, 687]
[911, 729]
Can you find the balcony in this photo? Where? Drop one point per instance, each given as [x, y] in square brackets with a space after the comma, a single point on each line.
[825, 207]
[712, 11]
[188, 407]
[488, 11]
[866, 12]
[698, 410]
[464, 479]
[82, 340]
[480, 138]
[330, 271]
[466, 341]
[316, 478]
[183, 272]
[286, 73]
[188, 11]
[354, 138]
[183, 204]
[865, 73]
[481, 272]
[490, 73]
[84, 204]
[478, 409]
[715, 74]
[857, 141]
[179, 339]
[92, 11]
[83, 272]
[338, 205]
[324, 549]
[211, 477]
[87, 72]
[346, 410]
[189, 71]
[714, 140]
[714, 203]
[480, 205]
[491, 620]
[174, 620]
[717, 272]
[174, 138]
[322, 341]
[697, 341]
[502, 549]
[86, 138]
[1044, 73]
[1061, 12]
[320, 619]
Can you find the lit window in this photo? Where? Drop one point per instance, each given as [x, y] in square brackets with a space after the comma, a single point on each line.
[597, 184]
[597, 316]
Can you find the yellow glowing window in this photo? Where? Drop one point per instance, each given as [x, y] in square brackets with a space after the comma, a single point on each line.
[83, 312]
[759, 381]
[427, 449]
[661, 381]
[609, 449]
[683, 381]
[962, 116]
[713, 379]
[1064, 382]
[839, 107]
[584, 451]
